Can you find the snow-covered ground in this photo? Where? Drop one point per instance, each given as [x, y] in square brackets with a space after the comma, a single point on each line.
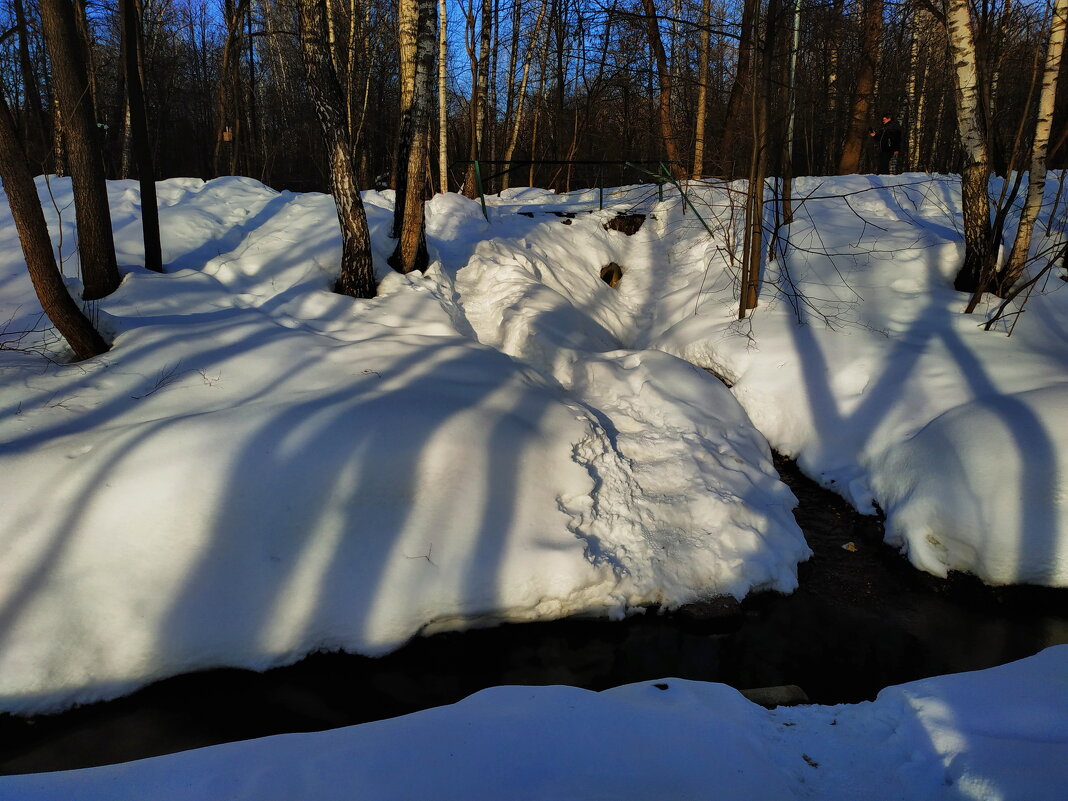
[994, 735]
[260, 468]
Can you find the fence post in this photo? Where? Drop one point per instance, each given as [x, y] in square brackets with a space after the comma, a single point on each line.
[600, 189]
[481, 194]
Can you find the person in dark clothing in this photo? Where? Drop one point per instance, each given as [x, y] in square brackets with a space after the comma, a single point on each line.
[888, 144]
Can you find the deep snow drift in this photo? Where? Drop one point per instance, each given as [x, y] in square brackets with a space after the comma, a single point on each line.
[260, 468]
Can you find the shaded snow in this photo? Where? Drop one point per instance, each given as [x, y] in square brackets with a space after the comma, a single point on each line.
[939, 739]
[260, 468]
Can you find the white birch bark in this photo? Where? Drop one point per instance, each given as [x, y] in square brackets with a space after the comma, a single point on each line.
[513, 137]
[960, 28]
[443, 117]
[1036, 180]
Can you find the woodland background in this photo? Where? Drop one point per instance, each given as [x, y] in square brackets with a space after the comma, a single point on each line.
[547, 80]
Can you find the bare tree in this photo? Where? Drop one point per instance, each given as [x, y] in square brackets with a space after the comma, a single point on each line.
[702, 92]
[520, 103]
[227, 119]
[863, 94]
[740, 89]
[409, 219]
[357, 272]
[130, 11]
[479, 106]
[960, 28]
[96, 244]
[663, 74]
[57, 303]
[443, 114]
[1036, 181]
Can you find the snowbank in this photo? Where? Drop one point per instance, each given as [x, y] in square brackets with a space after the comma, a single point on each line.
[260, 468]
[993, 735]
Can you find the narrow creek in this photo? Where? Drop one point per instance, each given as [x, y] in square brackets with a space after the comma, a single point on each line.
[862, 619]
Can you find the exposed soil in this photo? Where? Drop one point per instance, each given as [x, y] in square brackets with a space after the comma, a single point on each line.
[862, 619]
[628, 224]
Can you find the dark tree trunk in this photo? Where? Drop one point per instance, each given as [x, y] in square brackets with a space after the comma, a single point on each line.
[131, 34]
[409, 223]
[860, 119]
[33, 118]
[741, 87]
[357, 272]
[663, 75]
[96, 245]
[975, 203]
[25, 206]
[479, 100]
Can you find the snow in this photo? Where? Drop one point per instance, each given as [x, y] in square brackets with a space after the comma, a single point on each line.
[260, 469]
[273, 469]
[941, 738]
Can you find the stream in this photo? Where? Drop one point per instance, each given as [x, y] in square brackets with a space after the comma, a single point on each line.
[862, 619]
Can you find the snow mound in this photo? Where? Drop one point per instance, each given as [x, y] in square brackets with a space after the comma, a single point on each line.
[259, 468]
[989, 735]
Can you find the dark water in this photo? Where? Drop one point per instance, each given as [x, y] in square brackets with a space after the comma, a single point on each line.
[861, 620]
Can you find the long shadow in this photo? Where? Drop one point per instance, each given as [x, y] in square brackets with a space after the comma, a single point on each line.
[1035, 449]
[1040, 479]
[148, 381]
[138, 433]
[194, 259]
[331, 517]
[232, 239]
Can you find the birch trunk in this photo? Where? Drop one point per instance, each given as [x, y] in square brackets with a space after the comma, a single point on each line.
[357, 273]
[1036, 181]
[407, 36]
[513, 137]
[443, 115]
[411, 252]
[791, 114]
[960, 29]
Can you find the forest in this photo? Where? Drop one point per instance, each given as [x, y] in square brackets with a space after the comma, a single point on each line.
[366, 364]
[549, 81]
[558, 94]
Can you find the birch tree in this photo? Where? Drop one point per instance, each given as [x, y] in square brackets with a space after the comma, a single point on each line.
[1036, 180]
[443, 115]
[409, 220]
[960, 29]
[407, 43]
[517, 121]
[357, 272]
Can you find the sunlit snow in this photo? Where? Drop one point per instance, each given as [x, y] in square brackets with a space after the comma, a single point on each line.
[260, 468]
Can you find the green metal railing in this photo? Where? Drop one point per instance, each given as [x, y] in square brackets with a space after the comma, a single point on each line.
[660, 176]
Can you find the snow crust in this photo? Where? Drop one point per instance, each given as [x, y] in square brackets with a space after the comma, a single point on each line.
[994, 735]
[260, 468]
